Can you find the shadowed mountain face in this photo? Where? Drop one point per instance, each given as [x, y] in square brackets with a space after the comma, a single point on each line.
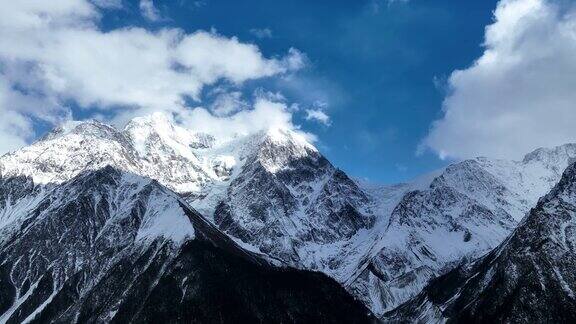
[531, 277]
[111, 246]
[274, 194]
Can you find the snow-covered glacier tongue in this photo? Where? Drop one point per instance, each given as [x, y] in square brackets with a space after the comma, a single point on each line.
[277, 196]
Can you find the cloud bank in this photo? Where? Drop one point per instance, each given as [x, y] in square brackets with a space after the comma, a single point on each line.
[521, 93]
[264, 115]
[54, 54]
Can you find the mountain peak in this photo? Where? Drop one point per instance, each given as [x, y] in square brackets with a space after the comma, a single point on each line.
[156, 120]
[286, 136]
[90, 127]
[277, 148]
[566, 187]
[551, 155]
[527, 278]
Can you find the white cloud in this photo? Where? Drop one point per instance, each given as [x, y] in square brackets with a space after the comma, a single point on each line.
[318, 115]
[110, 4]
[14, 130]
[294, 60]
[264, 115]
[228, 103]
[52, 52]
[261, 32]
[149, 11]
[520, 94]
[14, 127]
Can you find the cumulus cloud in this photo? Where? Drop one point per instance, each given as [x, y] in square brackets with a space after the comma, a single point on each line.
[52, 53]
[265, 114]
[520, 94]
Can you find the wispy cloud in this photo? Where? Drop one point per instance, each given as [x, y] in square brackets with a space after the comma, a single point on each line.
[318, 115]
[110, 4]
[227, 103]
[261, 32]
[376, 5]
[149, 11]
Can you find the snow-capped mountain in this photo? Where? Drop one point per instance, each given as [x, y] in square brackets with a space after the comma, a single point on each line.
[461, 213]
[113, 246]
[276, 195]
[272, 191]
[528, 278]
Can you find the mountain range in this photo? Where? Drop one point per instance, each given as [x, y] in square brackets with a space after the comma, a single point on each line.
[527, 278]
[155, 221]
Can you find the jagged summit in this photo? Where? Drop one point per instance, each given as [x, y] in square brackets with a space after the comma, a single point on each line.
[160, 127]
[101, 238]
[551, 155]
[528, 278]
[151, 145]
[71, 126]
[457, 214]
[275, 194]
[69, 150]
[565, 190]
[110, 246]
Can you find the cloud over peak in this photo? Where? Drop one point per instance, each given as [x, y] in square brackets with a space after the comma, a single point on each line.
[54, 53]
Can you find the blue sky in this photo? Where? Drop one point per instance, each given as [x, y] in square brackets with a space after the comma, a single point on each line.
[375, 63]
[375, 81]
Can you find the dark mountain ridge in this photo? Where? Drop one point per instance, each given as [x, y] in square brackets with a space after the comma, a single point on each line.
[97, 249]
[529, 278]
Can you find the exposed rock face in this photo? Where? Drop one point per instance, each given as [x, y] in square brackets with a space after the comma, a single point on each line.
[272, 191]
[528, 278]
[286, 197]
[274, 194]
[460, 214]
[112, 246]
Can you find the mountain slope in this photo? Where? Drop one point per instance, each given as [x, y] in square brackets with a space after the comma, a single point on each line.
[275, 194]
[108, 245]
[288, 201]
[462, 213]
[528, 278]
[273, 184]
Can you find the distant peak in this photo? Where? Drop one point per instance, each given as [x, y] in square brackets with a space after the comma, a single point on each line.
[283, 136]
[84, 127]
[567, 183]
[545, 154]
[154, 119]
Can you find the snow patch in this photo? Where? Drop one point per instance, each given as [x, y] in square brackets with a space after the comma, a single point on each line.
[164, 217]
